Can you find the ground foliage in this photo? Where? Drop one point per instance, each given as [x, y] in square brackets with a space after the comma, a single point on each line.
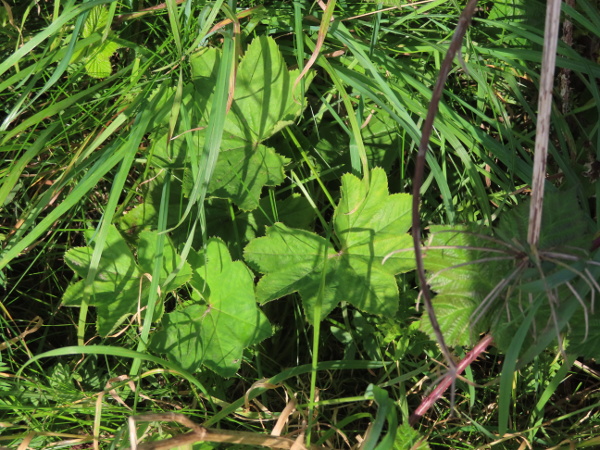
[192, 223]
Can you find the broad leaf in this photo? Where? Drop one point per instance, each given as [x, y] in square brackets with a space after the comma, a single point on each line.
[263, 104]
[564, 224]
[461, 274]
[97, 56]
[98, 64]
[370, 225]
[214, 334]
[294, 261]
[121, 285]
[487, 280]
[241, 174]
[294, 210]
[407, 438]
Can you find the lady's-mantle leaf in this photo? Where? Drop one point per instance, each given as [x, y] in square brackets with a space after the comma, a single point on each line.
[370, 224]
[121, 285]
[263, 104]
[215, 334]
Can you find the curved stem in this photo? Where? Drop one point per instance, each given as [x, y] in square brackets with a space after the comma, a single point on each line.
[455, 44]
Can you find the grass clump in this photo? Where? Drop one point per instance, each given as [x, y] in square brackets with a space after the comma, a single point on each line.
[205, 219]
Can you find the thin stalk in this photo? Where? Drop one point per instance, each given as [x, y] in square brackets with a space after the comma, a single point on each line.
[315, 348]
[455, 44]
[543, 122]
[449, 379]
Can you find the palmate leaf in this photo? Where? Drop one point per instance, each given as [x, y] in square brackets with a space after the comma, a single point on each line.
[263, 104]
[98, 63]
[241, 174]
[370, 224]
[97, 56]
[121, 286]
[214, 334]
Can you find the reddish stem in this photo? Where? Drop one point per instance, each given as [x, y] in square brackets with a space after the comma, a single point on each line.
[449, 379]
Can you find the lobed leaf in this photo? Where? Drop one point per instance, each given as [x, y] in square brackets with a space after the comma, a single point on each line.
[263, 104]
[457, 260]
[214, 334]
[121, 285]
[370, 225]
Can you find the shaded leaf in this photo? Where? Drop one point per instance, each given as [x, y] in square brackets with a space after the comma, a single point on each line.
[241, 174]
[407, 438]
[461, 273]
[121, 287]
[370, 224]
[263, 104]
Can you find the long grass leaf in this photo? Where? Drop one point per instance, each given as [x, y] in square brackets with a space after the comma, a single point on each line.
[510, 365]
[17, 168]
[119, 352]
[130, 148]
[358, 154]
[214, 130]
[154, 296]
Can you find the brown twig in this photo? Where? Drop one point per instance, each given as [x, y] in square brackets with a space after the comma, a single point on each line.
[455, 44]
[202, 434]
[142, 12]
[323, 28]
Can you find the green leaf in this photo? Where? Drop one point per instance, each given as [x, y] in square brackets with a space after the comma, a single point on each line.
[117, 258]
[241, 174]
[585, 341]
[370, 224]
[263, 104]
[121, 285]
[293, 261]
[147, 252]
[386, 412]
[205, 65]
[97, 56]
[98, 63]
[564, 223]
[407, 438]
[489, 283]
[96, 20]
[456, 259]
[214, 334]
[294, 210]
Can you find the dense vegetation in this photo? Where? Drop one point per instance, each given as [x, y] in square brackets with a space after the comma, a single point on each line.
[206, 215]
